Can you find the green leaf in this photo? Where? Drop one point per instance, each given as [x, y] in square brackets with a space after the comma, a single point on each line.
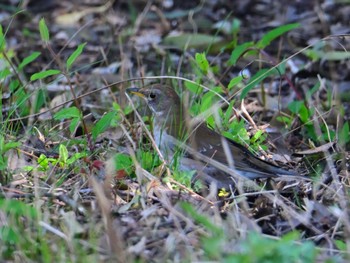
[202, 62]
[295, 106]
[44, 74]
[344, 134]
[75, 157]
[43, 162]
[228, 113]
[341, 245]
[103, 124]
[9, 235]
[275, 33]
[44, 31]
[75, 55]
[73, 124]
[206, 222]
[235, 81]
[67, 113]
[193, 87]
[10, 145]
[63, 153]
[238, 52]
[298, 107]
[123, 162]
[304, 114]
[191, 40]
[2, 40]
[18, 208]
[28, 60]
[255, 80]
[4, 73]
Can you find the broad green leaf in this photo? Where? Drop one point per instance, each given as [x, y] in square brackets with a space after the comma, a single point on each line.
[44, 31]
[103, 124]
[44, 74]
[28, 60]
[275, 33]
[67, 113]
[202, 62]
[238, 52]
[75, 55]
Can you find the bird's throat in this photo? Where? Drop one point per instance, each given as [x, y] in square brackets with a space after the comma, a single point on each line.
[168, 129]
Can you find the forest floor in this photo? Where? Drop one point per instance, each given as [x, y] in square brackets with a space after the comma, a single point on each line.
[95, 189]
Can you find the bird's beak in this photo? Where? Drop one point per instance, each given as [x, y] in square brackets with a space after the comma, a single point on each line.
[136, 91]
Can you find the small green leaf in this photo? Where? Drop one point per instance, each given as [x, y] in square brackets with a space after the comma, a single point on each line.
[193, 87]
[2, 40]
[344, 134]
[73, 124]
[63, 153]
[4, 73]
[43, 162]
[275, 33]
[238, 52]
[76, 157]
[295, 106]
[235, 81]
[44, 74]
[67, 113]
[202, 62]
[75, 55]
[123, 162]
[341, 245]
[255, 80]
[103, 124]
[44, 31]
[28, 60]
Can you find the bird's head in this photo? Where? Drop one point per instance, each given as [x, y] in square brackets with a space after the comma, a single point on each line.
[161, 99]
[166, 107]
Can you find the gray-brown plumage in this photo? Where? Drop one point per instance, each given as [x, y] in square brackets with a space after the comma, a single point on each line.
[170, 129]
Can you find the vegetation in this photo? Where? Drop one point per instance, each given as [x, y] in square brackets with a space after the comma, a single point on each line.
[81, 180]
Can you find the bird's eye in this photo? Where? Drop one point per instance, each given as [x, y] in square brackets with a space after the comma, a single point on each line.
[152, 96]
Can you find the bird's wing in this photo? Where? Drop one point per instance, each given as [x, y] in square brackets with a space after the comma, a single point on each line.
[209, 143]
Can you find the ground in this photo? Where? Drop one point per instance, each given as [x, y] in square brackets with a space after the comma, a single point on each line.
[79, 177]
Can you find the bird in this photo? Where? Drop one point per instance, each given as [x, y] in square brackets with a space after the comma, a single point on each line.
[215, 158]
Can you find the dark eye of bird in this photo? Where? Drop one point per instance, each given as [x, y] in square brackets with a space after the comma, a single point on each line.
[152, 95]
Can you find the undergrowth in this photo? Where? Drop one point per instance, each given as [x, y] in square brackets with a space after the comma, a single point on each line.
[53, 206]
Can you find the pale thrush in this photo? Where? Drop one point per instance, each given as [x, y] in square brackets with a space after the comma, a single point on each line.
[203, 149]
